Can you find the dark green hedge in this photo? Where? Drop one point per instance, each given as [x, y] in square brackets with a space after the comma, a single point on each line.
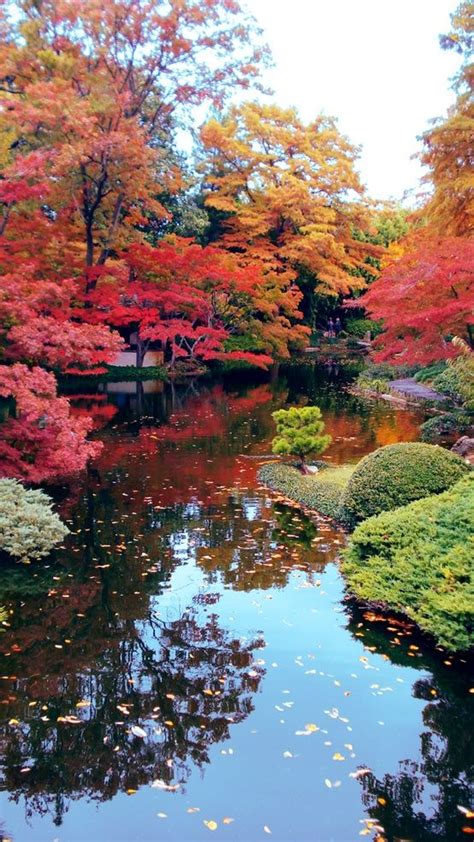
[419, 560]
[396, 475]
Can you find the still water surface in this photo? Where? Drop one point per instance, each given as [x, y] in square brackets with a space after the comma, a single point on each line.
[189, 667]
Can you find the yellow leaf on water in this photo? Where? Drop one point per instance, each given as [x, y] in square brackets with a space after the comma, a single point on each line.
[227, 820]
[211, 824]
[338, 756]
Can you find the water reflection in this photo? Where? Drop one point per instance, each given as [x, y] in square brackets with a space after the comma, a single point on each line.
[421, 802]
[120, 703]
[147, 621]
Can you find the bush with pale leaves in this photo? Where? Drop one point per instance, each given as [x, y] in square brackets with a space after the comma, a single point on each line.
[28, 526]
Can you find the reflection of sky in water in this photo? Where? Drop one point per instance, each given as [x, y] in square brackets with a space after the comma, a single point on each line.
[199, 603]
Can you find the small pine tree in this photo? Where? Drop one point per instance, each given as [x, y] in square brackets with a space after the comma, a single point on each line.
[299, 432]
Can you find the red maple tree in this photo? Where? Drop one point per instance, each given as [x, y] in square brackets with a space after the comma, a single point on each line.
[424, 298]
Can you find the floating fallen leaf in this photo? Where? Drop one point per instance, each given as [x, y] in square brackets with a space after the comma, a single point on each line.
[266, 828]
[211, 825]
[83, 705]
[162, 815]
[138, 732]
[338, 756]
[468, 813]
[227, 820]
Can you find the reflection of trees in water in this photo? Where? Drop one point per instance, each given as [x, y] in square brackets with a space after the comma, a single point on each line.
[246, 545]
[420, 803]
[85, 628]
[183, 681]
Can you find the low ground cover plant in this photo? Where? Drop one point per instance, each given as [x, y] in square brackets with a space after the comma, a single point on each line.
[321, 492]
[418, 559]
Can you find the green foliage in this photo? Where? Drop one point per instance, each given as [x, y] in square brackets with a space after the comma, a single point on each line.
[245, 342]
[115, 373]
[375, 384]
[359, 327]
[448, 424]
[299, 431]
[321, 492]
[28, 526]
[418, 560]
[457, 380]
[396, 475]
[426, 375]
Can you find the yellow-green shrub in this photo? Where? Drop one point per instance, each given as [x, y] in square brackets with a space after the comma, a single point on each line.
[418, 560]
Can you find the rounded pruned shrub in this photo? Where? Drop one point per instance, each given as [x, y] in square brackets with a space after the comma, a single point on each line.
[396, 475]
[28, 526]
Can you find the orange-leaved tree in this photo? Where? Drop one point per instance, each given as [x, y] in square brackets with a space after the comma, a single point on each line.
[288, 194]
[93, 86]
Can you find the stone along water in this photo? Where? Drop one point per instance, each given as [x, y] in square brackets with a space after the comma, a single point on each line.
[189, 665]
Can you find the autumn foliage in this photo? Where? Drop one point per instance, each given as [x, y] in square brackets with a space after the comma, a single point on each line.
[289, 193]
[425, 298]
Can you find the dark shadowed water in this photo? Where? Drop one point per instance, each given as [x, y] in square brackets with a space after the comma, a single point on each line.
[188, 667]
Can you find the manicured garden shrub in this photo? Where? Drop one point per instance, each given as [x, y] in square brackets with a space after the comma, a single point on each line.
[448, 424]
[28, 526]
[426, 374]
[359, 327]
[396, 475]
[321, 492]
[419, 560]
[300, 431]
[457, 380]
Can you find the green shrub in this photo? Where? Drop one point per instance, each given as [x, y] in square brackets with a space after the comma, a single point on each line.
[377, 385]
[28, 526]
[448, 424]
[457, 380]
[299, 432]
[321, 492]
[359, 327]
[396, 475]
[426, 375]
[418, 560]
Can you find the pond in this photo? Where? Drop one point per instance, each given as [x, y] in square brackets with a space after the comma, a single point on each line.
[188, 666]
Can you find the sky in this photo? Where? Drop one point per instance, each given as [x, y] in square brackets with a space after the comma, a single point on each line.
[376, 65]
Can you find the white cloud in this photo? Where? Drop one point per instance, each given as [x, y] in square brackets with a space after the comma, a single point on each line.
[375, 65]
